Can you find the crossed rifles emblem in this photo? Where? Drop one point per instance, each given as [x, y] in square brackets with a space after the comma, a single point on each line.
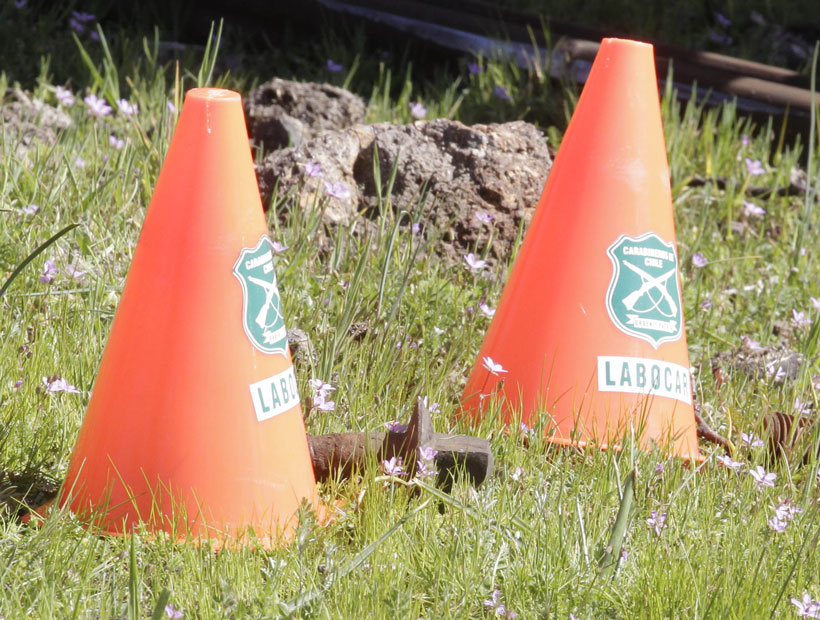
[270, 290]
[648, 284]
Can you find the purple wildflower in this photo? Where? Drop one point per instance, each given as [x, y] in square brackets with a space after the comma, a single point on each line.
[729, 462]
[172, 612]
[815, 303]
[498, 608]
[777, 525]
[59, 385]
[699, 260]
[706, 303]
[334, 67]
[393, 467]
[97, 106]
[74, 272]
[415, 228]
[395, 427]
[418, 110]
[431, 407]
[30, 209]
[494, 367]
[751, 440]
[720, 38]
[321, 391]
[49, 272]
[337, 190]
[171, 107]
[474, 262]
[278, 248]
[750, 209]
[744, 140]
[486, 310]
[19, 4]
[18, 383]
[754, 167]
[79, 162]
[126, 107]
[722, 20]
[807, 607]
[475, 68]
[313, 169]
[484, 218]
[762, 477]
[64, 96]
[799, 318]
[502, 93]
[657, 522]
[751, 345]
[116, 142]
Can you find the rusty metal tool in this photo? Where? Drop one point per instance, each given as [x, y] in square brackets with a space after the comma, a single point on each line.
[340, 454]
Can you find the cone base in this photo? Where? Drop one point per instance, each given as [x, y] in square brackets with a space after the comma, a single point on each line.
[324, 516]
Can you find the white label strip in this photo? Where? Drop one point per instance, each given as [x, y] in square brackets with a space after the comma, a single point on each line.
[638, 375]
[274, 395]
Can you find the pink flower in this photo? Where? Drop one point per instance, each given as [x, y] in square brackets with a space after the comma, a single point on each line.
[750, 440]
[59, 385]
[799, 318]
[699, 260]
[418, 110]
[777, 525]
[474, 262]
[337, 190]
[173, 613]
[494, 367]
[729, 462]
[502, 93]
[49, 272]
[126, 107]
[754, 167]
[116, 142]
[807, 607]
[751, 345]
[313, 169]
[750, 209]
[393, 467]
[762, 477]
[97, 106]
[657, 522]
[395, 427]
[486, 310]
[64, 96]
[321, 391]
[74, 272]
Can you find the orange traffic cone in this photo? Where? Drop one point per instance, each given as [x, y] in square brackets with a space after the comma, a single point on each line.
[195, 425]
[589, 329]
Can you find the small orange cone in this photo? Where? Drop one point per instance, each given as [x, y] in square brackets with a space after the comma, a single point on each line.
[589, 329]
[195, 425]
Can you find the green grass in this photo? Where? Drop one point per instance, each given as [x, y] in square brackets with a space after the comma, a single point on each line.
[537, 530]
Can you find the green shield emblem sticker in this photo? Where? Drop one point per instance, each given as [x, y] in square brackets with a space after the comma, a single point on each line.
[643, 298]
[262, 308]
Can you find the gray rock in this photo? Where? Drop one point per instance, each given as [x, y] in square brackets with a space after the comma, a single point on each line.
[28, 122]
[302, 350]
[496, 170]
[282, 113]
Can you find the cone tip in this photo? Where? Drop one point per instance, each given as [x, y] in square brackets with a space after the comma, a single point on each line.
[211, 94]
[625, 43]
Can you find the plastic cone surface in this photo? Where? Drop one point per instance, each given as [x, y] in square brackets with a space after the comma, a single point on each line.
[194, 425]
[589, 327]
